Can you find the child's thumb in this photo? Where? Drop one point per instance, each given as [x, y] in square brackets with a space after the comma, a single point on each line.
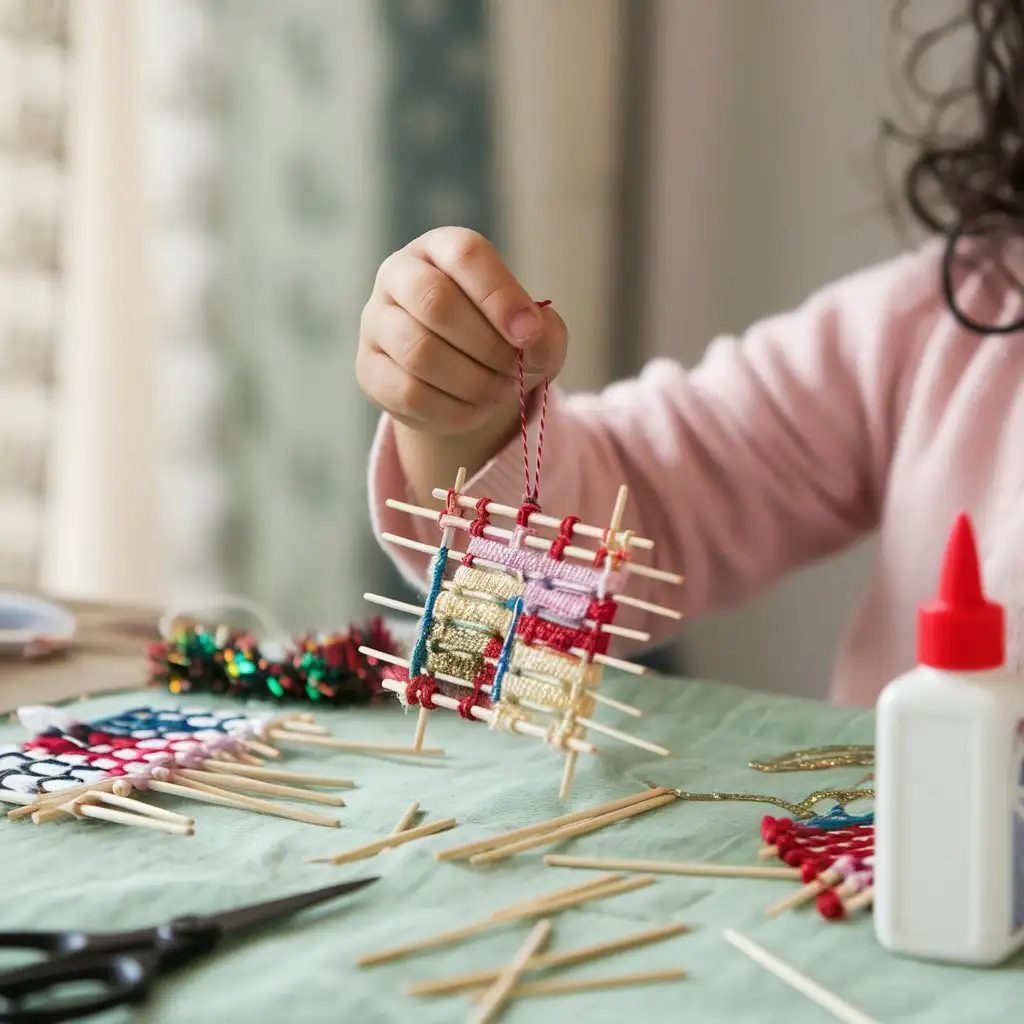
[546, 354]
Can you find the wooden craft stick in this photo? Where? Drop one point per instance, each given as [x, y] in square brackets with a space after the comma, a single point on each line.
[806, 893]
[247, 785]
[597, 892]
[585, 813]
[81, 807]
[861, 901]
[536, 518]
[189, 790]
[574, 986]
[352, 746]
[263, 749]
[406, 820]
[59, 796]
[571, 551]
[626, 599]
[622, 737]
[262, 806]
[495, 997]
[669, 867]
[546, 899]
[442, 700]
[395, 839]
[569, 831]
[310, 728]
[538, 908]
[127, 803]
[549, 961]
[814, 991]
[278, 775]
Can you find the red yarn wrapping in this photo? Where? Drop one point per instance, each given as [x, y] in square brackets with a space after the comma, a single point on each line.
[532, 629]
[527, 509]
[480, 524]
[618, 556]
[602, 610]
[483, 678]
[564, 538]
[420, 690]
[451, 507]
[830, 906]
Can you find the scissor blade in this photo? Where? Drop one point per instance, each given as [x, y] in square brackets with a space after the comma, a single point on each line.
[259, 913]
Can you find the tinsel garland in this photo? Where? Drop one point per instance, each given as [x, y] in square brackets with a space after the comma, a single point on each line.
[325, 669]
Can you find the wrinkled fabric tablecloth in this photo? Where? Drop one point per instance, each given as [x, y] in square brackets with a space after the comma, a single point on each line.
[96, 876]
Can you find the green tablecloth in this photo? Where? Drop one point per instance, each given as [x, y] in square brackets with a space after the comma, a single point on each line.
[98, 876]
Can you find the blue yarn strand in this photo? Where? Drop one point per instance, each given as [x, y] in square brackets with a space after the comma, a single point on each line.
[419, 652]
[837, 819]
[506, 650]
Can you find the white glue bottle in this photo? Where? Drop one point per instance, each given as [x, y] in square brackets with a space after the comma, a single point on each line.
[949, 790]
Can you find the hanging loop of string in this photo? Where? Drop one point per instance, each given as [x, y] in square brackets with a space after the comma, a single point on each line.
[531, 494]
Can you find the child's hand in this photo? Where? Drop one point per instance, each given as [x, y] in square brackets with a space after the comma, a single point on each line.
[441, 333]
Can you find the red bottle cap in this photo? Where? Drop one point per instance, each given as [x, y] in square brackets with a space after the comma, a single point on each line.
[960, 630]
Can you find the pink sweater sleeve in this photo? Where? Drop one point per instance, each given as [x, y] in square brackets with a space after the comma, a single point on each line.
[771, 453]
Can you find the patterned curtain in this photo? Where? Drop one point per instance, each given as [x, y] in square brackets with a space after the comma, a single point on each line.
[34, 60]
[320, 136]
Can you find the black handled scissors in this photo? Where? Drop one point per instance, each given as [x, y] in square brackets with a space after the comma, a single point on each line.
[123, 966]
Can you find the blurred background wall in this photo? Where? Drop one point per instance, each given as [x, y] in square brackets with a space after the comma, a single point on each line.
[221, 178]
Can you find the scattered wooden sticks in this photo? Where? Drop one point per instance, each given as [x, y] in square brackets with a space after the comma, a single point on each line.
[191, 790]
[538, 907]
[468, 849]
[575, 986]
[406, 820]
[668, 867]
[123, 812]
[283, 735]
[495, 997]
[395, 839]
[549, 961]
[249, 785]
[278, 775]
[569, 831]
[813, 990]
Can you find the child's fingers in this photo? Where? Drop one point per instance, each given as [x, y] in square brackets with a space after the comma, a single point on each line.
[430, 359]
[413, 401]
[440, 305]
[474, 264]
[546, 355]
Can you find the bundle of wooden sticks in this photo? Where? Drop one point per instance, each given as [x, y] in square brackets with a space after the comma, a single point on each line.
[96, 770]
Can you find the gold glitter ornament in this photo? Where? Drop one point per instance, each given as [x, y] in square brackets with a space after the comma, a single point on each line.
[819, 758]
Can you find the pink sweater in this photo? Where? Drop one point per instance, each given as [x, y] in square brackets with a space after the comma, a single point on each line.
[867, 409]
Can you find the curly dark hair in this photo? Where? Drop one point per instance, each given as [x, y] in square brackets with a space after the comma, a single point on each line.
[969, 183]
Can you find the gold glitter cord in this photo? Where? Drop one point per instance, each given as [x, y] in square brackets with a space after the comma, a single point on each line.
[465, 638]
[452, 605]
[536, 691]
[818, 758]
[499, 585]
[565, 668]
[803, 809]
